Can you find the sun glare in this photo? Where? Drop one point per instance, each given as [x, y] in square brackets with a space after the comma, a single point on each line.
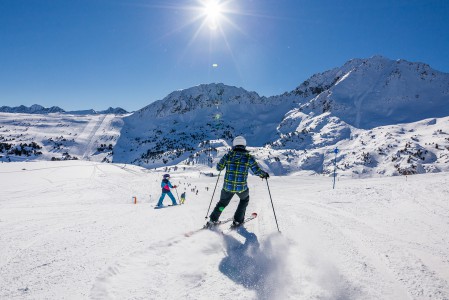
[212, 11]
[210, 19]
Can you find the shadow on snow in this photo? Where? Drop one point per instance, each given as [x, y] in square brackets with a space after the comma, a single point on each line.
[250, 265]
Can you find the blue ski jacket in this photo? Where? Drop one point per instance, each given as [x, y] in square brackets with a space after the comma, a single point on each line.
[166, 186]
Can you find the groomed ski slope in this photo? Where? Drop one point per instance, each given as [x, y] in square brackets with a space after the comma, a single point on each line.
[70, 230]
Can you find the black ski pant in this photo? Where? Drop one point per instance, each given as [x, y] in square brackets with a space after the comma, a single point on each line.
[225, 198]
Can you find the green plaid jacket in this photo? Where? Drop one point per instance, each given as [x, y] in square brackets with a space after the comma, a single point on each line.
[237, 164]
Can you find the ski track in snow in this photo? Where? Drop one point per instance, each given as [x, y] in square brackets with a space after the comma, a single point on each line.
[88, 135]
[73, 232]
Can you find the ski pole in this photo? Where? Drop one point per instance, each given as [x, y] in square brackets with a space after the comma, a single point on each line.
[212, 196]
[177, 196]
[269, 192]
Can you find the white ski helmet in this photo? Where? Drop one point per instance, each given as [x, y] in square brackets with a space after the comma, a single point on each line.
[239, 141]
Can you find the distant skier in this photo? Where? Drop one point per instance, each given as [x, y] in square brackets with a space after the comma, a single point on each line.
[237, 163]
[166, 186]
[183, 197]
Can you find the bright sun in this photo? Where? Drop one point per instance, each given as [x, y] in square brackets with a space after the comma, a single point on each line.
[212, 11]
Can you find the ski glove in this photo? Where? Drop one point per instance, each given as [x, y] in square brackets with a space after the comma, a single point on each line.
[264, 175]
[175, 186]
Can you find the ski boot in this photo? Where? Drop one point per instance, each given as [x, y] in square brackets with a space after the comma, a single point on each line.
[236, 224]
[211, 224]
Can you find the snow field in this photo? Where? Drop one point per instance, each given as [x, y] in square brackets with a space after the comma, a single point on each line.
[77, 135]
[70, 230]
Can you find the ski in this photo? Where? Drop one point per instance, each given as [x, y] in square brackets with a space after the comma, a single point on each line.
[232, 227]
[226, 231]
[165, 206]
[188, 234]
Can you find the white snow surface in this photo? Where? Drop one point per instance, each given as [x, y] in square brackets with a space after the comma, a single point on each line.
[70, 230]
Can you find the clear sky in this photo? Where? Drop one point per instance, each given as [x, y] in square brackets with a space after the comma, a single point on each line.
[80, 54]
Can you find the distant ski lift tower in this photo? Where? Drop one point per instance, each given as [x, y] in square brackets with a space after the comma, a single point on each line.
[335, 165]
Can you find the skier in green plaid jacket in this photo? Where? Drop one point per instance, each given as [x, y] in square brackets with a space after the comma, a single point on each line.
[237, 162]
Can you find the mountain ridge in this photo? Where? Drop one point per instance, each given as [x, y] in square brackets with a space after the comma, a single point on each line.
[349, 107]
[39, 109]
[382, 89]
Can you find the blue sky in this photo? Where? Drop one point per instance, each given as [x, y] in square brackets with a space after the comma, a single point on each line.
[82, 54]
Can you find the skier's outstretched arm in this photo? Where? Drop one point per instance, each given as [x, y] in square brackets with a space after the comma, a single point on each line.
[255, 168]
[222, 163]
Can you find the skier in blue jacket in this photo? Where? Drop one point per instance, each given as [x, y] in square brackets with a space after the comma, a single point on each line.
[166, 186]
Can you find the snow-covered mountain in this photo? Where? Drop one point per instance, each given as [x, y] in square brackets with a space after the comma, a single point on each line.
[110, 110]
[33, 109]
[351, 107]
[368, 93]
[182, 125]
[58, 136]
[39, 109]
[386, 117]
